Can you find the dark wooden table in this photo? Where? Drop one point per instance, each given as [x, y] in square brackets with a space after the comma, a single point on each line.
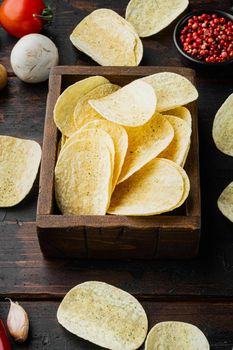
[198, 291]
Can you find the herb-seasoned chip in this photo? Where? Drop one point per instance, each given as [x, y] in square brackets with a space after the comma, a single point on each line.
[83, 112]
[145, 143]
[64, 108]
[223, 127]
[132, 105]
[176, 336]
[156, 188]
[83, 178]
[172, 90]
[19, 163]
[225, 202]
[150, 16]
[177, 149]
[181, 112]
[120, 140]
[108, 39]
[104, 315]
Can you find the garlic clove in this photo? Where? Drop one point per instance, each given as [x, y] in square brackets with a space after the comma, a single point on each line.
[17, 322]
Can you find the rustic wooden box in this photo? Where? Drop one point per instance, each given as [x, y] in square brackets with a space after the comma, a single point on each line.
[174, 235]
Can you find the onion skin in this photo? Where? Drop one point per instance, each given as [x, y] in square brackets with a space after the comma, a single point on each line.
[3, 77]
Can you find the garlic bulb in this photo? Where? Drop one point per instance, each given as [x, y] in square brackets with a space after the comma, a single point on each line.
[17, 322]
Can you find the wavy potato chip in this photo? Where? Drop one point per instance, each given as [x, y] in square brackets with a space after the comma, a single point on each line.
[225, 202]
[156, 188]
[223, 127]
[175, 335]
[19, 163]
[132, 105]
[108, 39]
[151, 16]
[83, 178]
[177, 149]
[65, 105]
[145, 143]
[104, 315]
[120, 140]
[172, 90]
[181, 112]
[83, 112]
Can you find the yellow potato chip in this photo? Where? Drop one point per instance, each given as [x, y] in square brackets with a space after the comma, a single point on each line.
[65, 105]
[186, 155]
[223, 127]
[181, 112]
[225, 202]
[83, 112]
[19, 163]
[108, 39]
[186, 182]
[132, 105]
[83, 178]
[104, 315]
[151, 16]
[156, 188]
[175, 335]
[177, 149]
[61, 143]
[172, 90]
[145, 143]
[120, 140]
[90, 133]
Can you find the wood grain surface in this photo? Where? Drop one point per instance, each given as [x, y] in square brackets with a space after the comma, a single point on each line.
[47, 334]
[199, 291]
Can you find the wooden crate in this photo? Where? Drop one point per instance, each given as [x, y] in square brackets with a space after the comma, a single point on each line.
[174, 235]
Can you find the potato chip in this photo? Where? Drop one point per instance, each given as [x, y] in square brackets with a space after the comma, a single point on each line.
[186, 155]
[176, 336]
[172, 90]
[95, 133]
[83, 112]
[120, 140]
[177, 149]
[181, 112]
[225, 202]
[104, 315]
[151, 16]
[145, 143]
[185, 179]
[132, 105]
[19, 163]
[223, 127]
[64, 108]
[83, 178]
[108, 39]
[156, 188]
[61, 143]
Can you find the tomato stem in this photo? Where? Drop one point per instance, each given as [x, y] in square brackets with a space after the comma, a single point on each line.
[47, 14]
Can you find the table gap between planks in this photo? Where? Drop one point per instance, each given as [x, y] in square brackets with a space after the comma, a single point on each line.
[199, 291]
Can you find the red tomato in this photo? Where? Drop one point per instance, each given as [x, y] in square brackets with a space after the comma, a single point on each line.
[4, 342]
[22, 17]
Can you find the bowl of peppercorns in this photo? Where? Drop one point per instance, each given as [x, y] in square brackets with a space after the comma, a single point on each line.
[205, 37]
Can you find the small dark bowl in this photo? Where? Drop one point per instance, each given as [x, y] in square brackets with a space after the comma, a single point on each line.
[182, 23]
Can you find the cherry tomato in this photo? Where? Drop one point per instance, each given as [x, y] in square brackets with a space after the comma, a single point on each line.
[23, 17]
[4, 342]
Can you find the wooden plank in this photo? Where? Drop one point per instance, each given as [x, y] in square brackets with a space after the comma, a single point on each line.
[24, 272]
[215, 319]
